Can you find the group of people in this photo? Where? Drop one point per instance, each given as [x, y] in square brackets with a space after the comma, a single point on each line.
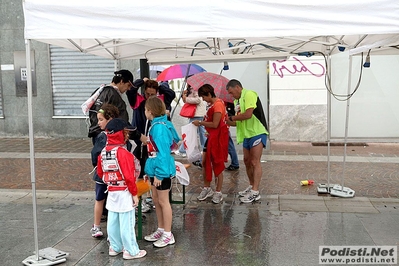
[124, 152]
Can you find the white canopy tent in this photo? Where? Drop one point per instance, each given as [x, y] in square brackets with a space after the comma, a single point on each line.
[165, 31]
[209, 31]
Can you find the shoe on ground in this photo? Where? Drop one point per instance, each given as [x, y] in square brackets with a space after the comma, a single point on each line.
[232, 168]
[96, 232]
[164, 241]
[250, 197]
[112, 252]
[198, 163]
[245, 191]
[127, 256]
[154, 236]
[217, 197]
[205, 193]
[144, 207]
[180, 154]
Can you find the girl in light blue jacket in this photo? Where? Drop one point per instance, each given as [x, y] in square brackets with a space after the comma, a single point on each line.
[160, 168]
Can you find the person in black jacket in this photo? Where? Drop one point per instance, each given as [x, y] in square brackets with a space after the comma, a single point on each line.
[111, 94]
[137, 103]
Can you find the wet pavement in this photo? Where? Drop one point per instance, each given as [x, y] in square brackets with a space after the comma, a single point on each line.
[286, 227]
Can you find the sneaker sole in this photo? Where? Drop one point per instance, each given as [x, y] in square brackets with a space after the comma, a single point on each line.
[141, 254]
[164, 245]
[114, 253]
[150, 239]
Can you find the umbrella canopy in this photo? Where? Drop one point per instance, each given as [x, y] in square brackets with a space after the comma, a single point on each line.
[154, 70]
[179, 71]
[218, 82]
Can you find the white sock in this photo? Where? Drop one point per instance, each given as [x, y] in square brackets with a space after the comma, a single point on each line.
[167, 233]
[254, 192]
[96, 226]
[161, 229]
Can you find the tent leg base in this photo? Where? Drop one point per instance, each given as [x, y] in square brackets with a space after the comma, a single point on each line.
[343, 192]
[324, 188]
[47, 256]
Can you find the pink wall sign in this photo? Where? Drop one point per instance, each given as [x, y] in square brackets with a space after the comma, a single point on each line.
[282, 67]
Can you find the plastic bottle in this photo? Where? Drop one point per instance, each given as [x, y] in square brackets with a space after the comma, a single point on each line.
[307, 182]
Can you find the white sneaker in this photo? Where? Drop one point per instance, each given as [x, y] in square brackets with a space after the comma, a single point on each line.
[144, 207]
[205, 193]
[96, 232]
[250, 197]
[164, 241]
[245, 191]
[217, 197]
[155, 236]
[181, 154]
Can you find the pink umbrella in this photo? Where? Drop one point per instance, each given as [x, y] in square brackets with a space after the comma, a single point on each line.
[179, 71]
[218, 82]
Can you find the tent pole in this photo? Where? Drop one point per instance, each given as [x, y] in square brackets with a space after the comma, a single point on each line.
[347, 119]
[31, 145]
[329, 124]
[340, 190]
[47, 256]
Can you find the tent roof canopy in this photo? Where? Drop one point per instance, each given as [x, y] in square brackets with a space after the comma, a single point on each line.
[183, 31]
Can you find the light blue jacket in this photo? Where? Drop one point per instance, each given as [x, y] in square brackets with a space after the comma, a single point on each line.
[162, 134]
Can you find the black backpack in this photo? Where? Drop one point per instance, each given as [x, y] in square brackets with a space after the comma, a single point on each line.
[258, 112]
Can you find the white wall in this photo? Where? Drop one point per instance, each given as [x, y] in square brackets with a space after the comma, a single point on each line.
[298, 99]
[374, 108]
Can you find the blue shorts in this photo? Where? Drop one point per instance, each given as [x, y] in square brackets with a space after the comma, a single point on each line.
[254, 141]
[101, 193]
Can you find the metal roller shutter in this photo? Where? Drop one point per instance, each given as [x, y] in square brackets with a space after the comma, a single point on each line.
[74, 76]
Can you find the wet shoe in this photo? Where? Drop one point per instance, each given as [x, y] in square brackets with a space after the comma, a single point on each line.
[154, 236]
[205, 193]
[217, 197]
[180, 154]
[144, 207]
[250, 197]
[164, 241]
[232, 168]
[112, 252]
[127, 256]
[198, 163]
[96, 232]
[245, 191]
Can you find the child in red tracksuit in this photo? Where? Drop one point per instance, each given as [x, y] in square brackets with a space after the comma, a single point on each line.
[116, 167]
